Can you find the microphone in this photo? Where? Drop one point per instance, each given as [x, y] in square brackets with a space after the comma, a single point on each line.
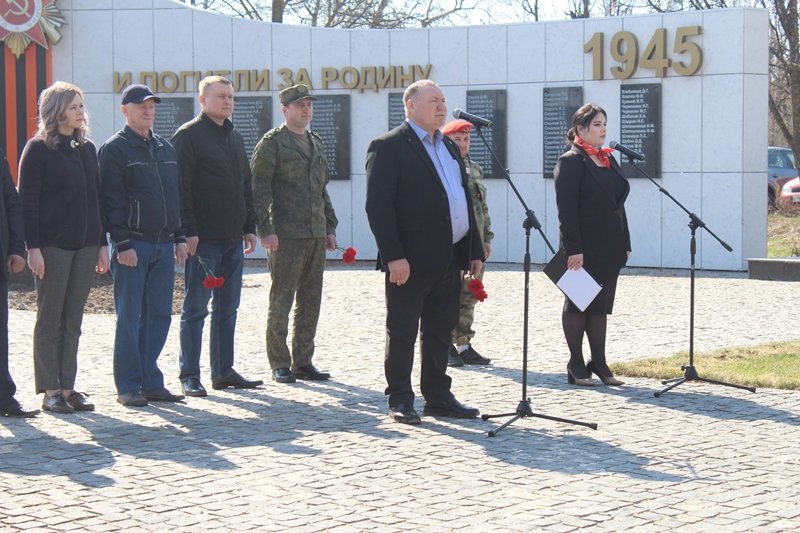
[614, 145]
[469, 117]
[74, 144]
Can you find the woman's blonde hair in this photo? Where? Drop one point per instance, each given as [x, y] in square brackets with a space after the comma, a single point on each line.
[53, 104]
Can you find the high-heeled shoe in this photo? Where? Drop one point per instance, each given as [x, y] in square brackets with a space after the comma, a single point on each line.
[584, 382]
[607, 380]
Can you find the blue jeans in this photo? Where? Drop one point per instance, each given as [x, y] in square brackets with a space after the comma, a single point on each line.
[224, 260]
[143, 302]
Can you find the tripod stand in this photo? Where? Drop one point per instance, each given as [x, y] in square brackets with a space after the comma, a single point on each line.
[690, 372]
[524, 409]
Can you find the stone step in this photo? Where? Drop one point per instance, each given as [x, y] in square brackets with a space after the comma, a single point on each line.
[774, 269]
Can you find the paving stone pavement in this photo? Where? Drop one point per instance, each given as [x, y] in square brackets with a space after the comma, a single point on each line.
[324, 456]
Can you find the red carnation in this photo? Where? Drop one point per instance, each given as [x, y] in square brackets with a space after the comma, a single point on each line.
[349, 255]
[210, 281]
[475, 286]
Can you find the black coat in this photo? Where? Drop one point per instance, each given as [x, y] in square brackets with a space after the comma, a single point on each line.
[407, 205]
[12, 238]
[592, 221]
[60, 192]
[217, 185]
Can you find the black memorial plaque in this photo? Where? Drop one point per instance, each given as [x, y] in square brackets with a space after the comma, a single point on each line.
[332, 122]
[397, 113]
[640, 121]
[171, 114]
[559, 104]
[252, 117]
[491, 105]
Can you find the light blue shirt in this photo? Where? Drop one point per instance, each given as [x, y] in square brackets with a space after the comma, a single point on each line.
[450, 175]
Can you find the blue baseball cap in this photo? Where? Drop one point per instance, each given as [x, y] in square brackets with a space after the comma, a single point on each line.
[138, 93]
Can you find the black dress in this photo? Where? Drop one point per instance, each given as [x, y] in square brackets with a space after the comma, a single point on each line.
[592, 217]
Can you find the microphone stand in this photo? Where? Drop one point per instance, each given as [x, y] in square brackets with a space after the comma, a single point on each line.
[690, 372]
[524, 409]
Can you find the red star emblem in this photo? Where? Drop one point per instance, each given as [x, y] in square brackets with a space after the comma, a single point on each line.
[23, 21]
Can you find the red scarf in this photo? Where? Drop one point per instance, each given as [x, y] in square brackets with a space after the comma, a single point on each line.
[601, 153]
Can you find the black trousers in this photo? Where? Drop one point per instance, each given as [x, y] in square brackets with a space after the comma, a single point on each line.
[427, 303]
[7, 386]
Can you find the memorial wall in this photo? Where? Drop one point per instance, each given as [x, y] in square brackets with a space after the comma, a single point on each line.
[689, 90]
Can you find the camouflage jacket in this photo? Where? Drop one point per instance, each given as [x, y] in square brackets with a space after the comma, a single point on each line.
[478, 191]
[289, 191]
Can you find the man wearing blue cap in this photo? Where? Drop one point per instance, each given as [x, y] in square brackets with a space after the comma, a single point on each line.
[143, 214]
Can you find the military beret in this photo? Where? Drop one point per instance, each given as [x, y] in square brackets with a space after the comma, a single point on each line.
[295, 93]
[457, 126]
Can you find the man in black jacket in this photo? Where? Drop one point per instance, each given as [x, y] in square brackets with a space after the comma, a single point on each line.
[218, 207]
[142, 206]
[420, 212]
[12, 252]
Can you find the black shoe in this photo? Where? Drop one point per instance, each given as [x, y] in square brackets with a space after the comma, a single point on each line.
[12, 408]
[193, 387]
[452, 409]
[233, 380]
[471, 357]
[404, 413]
[162, 395]
[283, 375]
[607, 379]
[77, 400]
[131, 399]
[56, 404]
[453, 359]
[311, 373]
[576, 376]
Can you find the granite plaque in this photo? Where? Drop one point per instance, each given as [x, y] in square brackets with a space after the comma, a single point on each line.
[559, 104]
[332, 122]
[252, 117]
[397, 113]
[491, 105]
[171, 114]
[640, 127]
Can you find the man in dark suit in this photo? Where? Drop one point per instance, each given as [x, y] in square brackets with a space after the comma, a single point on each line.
[419, 210]
[12, 252]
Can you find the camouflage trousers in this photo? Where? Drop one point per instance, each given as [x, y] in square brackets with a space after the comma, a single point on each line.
[296, 269]
[466, 314]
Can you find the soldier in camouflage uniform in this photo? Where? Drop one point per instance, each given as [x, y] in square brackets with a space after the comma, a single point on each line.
[462, 352]
[296, 223]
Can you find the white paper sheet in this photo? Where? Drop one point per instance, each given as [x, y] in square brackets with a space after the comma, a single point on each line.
[579, 286]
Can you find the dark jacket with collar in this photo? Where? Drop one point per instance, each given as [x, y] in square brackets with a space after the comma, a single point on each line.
[141, 189]
[407, 204]
[60, 192]
[12, 237]
[215, 173]
[592, 221]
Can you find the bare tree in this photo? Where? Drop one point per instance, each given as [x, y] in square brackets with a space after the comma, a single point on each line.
[345, 13]
[784, 90]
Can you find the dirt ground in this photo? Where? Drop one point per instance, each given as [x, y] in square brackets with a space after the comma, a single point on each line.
[22, 293]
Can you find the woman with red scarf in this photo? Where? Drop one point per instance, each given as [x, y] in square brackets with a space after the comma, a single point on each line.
[590, 195]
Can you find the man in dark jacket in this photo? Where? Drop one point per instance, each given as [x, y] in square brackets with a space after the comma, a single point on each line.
[142, 206]
[420, 212]
[12, 252]
[218, 207]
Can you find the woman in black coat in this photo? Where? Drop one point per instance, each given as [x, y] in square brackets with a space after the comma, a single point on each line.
[590, 194]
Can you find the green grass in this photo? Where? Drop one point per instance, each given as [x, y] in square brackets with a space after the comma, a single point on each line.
[783, 233]
[775, 365]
